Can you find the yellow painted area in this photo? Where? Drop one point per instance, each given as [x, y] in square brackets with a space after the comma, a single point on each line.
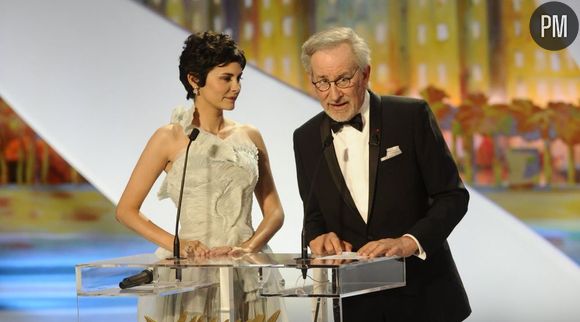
[539, 204]
[57, 209]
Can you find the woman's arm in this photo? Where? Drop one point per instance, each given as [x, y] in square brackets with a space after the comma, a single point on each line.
[153, 160]
[267, 197]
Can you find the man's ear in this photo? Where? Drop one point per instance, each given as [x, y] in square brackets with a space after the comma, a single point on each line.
[367, 73]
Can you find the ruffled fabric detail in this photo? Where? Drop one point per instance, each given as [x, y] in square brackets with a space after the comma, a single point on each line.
[184, 117]
[221, 177]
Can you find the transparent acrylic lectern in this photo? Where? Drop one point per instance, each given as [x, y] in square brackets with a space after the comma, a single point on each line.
[276, 276]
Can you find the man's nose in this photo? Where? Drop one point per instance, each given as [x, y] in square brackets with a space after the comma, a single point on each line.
[335, 93]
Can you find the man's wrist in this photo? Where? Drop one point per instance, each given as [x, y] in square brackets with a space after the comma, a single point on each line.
[409, 245]
[417, 249]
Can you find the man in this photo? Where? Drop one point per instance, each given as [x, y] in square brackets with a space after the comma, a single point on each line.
[375, 176]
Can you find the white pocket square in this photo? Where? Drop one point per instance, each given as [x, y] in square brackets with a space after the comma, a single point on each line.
[392, 152]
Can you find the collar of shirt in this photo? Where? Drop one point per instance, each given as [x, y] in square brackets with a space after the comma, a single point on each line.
[352, 153]
[365, 113]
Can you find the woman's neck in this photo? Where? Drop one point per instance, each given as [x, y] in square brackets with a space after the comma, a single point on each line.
[208, 119]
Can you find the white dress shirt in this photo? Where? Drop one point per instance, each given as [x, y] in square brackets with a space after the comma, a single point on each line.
[352, 152]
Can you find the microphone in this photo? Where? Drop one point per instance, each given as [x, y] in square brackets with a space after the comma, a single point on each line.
[304, 248]
[145, 277]
[176, 245]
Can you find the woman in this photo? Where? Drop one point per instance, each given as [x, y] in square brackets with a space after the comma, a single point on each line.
[226, 163]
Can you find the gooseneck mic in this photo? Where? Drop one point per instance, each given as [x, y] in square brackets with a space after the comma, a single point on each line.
[145, 277]
[304, 247]
[176, 246]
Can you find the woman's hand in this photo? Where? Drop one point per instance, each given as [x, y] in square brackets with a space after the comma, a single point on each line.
[229, 251]
[238, 251]
[244, 248]
[220, 251]
[194, 248]
[199, 249]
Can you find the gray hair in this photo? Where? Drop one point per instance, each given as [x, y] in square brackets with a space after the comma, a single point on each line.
[331, 38]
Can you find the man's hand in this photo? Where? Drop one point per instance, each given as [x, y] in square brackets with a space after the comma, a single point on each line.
[329, 243]
[403, 246]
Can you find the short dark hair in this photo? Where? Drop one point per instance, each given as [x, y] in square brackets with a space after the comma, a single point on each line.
[202, 52]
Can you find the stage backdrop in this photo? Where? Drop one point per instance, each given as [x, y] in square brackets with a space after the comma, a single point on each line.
[108, 79]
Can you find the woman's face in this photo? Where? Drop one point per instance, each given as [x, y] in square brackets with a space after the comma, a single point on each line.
[222, 87]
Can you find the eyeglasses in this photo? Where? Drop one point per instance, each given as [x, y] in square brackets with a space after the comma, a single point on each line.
[342, 82]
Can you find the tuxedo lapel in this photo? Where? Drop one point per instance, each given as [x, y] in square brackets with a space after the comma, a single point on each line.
[374, 146]
[334, 167]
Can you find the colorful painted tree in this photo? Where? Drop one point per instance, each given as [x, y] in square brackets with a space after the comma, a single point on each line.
[567, 125]
[25, 158]
[5, 114]
[532, 119]
[469, 117]
[496, 122]
[444, 112]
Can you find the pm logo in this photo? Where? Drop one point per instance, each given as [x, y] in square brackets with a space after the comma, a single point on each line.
[554, 25]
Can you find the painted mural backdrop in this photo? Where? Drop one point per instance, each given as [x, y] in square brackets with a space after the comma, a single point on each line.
[39, 191]
[51, 219]
[509, 109]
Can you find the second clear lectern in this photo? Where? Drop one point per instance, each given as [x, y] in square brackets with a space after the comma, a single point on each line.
[219, 289]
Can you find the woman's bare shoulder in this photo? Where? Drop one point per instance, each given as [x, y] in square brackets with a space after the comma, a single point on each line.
[253, 133]
[169, 132]
[168, 137]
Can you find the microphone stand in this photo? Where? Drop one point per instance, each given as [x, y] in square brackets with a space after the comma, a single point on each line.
[176, 245]
[304, 259]
[304, 247]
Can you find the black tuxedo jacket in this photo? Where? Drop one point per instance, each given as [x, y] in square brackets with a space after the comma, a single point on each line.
[418, 192]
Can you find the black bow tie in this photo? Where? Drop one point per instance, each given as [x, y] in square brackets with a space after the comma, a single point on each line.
[356, 122]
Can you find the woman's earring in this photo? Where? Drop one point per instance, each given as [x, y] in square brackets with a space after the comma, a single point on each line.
[196, 91]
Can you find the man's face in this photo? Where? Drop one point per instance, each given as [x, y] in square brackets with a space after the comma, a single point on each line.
[338, 64]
